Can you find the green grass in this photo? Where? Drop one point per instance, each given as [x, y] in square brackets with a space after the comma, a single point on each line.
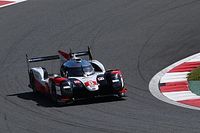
[194, 75]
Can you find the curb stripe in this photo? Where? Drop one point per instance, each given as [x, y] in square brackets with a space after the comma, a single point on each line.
[174, 77]
[174, 88]
[192, 102]
[4, 3]
[176, 83]
[187, 66]
[181, 95]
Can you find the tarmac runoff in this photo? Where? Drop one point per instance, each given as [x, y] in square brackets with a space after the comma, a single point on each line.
[171, 86]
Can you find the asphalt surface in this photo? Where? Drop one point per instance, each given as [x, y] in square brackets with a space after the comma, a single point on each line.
[140, 37]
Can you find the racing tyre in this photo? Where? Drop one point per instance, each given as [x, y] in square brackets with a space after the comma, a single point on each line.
[120, 95]
[53, 93]
[32, 82]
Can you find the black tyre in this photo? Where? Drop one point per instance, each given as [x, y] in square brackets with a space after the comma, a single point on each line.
[120, 95]
[32, 82]
[53, 93]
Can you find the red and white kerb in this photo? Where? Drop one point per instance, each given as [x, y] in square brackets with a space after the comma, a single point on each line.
[174, 84]
[4, 3]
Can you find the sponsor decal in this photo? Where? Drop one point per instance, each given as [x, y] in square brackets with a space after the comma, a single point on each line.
[91, 83]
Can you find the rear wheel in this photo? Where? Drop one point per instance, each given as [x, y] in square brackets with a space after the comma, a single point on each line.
[32, 82]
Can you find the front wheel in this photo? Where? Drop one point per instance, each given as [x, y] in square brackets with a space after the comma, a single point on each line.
[120, 95]
[53, 93]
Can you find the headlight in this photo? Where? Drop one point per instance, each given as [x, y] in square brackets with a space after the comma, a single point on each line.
[66, 88]
[58, 90]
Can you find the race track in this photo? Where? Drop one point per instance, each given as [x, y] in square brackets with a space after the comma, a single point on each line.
[141, 37]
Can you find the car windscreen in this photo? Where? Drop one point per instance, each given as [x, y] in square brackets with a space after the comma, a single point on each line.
[80, 71]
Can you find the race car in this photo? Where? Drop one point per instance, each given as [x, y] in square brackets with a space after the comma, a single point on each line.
[78, 78]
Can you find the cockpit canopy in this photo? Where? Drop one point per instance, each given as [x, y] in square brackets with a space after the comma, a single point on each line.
[77, 67]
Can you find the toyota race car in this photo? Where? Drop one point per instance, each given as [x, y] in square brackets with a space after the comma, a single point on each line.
[78, 78]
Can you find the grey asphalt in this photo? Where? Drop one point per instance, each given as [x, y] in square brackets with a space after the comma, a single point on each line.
[140, 37]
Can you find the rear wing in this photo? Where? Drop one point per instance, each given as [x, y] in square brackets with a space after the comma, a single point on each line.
[45, 58]
[39, 59]
[55, 57]
[82, 53]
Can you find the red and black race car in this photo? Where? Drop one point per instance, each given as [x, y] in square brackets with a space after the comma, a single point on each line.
[78, 78]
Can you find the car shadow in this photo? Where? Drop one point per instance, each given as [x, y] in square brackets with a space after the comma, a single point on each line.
[40, 99]
[45, 101]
